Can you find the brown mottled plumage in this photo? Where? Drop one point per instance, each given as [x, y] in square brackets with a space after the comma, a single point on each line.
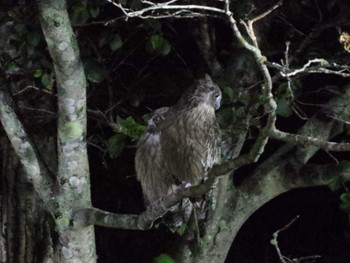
[190, 133]
[183, 142]
[155, 179]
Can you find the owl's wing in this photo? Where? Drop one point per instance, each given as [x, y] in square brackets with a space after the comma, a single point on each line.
[153, 175]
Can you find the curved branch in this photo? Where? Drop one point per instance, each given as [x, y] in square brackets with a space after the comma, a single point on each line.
[258, 189]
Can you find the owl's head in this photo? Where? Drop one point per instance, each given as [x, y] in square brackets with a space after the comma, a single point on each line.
[156, 117]
[205, 91]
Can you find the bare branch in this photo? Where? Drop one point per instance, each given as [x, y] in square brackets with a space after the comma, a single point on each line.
[270, 105]
[308, 140]
[23, 147]
[167, 10]
[35, 88]
[311, 175]
[340, 119]
[285, 259]
[274, 241]
[93, 216]
[320, 68]
[249, 27]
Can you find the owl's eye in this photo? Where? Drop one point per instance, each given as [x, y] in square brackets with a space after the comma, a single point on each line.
[217, 94]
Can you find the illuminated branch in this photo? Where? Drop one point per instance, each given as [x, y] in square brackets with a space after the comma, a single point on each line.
[308, 140]
[317, 65]
[167, 9]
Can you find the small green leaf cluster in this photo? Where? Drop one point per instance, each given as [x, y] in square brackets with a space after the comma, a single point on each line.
[94, 70]
[130, 127]
[231, 111]
[82, 11]
[158, 45]
[164, 258]
[345, 201]
[22, 51]
[124, 128]
[116, 144]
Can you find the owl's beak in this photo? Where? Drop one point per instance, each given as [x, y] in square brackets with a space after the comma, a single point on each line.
[217, 103]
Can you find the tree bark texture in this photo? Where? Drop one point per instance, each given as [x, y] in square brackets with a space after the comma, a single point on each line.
[78, 245]
[26, 227]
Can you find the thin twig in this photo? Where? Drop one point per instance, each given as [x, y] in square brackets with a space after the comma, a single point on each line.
[257, 18]
[274, 240]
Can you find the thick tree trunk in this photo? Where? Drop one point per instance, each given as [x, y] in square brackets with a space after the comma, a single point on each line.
[78, 244]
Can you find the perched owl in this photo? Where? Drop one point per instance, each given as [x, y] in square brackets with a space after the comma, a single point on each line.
[182, 142]
[155, 179]
[190, 134]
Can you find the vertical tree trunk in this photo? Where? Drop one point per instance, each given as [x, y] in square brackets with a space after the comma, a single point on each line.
[26, 228]
[78, 243]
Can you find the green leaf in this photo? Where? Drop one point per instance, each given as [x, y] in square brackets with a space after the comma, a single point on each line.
[38, 73]
[345, 201]
[336, 184]
[228, 94]
[283, 107]
[33, 38]
[95, 72]
[21, 29]
[158, 45]
[130, 128]
[345, 197]
[80, 13]
[10, 65]
[164, 258]
[47, 80]
[79, 7]
[346, 166]
[116, 144]
[94, 11]
[116, 43]
[181, 229]
[225, 116]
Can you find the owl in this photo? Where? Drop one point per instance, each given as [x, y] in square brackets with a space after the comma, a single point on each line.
[182, 142]
[190, 136]
[155, 179]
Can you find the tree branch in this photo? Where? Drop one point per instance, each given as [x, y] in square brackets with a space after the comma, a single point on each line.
[284, 259]
[166, 10]
[308, 140]
[22, 145]
[73, 170]
[316, 65]
[316, 175]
